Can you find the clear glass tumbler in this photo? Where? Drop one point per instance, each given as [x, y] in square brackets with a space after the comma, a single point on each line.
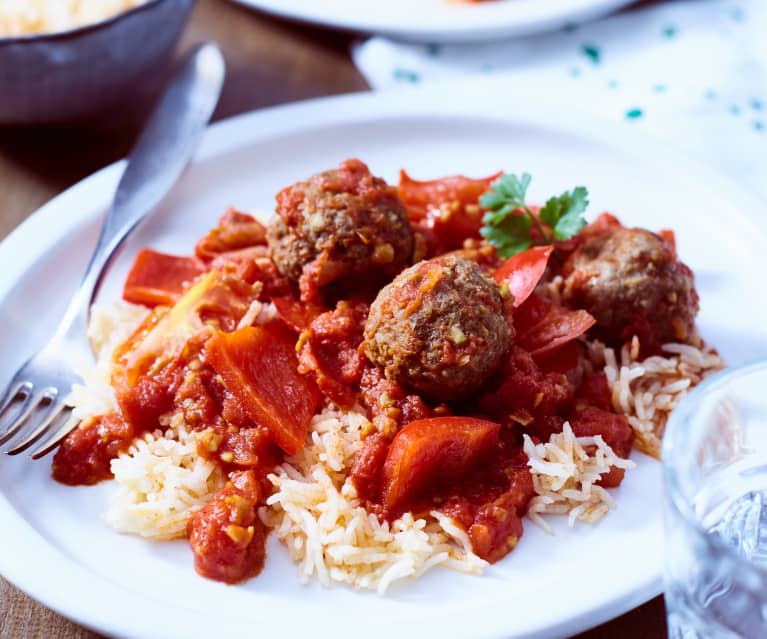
[715, 465]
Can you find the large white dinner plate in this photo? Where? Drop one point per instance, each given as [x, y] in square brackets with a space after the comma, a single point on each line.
[53, 543]
[441, 20]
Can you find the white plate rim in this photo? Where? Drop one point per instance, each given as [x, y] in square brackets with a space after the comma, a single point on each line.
[30, 240]
[453, 23]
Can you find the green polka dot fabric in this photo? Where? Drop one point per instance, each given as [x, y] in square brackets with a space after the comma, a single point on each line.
[691, 72]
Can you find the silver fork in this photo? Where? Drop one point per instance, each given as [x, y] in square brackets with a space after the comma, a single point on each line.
[34, 404]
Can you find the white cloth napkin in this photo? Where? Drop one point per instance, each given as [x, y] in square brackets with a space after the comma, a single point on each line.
[693, 73]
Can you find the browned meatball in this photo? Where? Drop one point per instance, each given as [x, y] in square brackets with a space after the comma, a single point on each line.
[631, 282]
[439, 328]
[339, 225]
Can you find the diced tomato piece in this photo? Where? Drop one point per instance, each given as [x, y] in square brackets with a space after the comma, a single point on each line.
[328, 351]
[368, 462]
[614, 429]
[296, 314]
[235, 230]
[448, 207]
[497, 525]
[226, 535]
[159, 279]
[430, 452]
[85, 454]
[523, 392]
[523, 271]
[247, 448]
[258, 366]
[389, 405]
[595, 392]
[545, 325]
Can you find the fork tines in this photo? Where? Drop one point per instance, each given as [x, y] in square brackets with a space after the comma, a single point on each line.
[28, 414]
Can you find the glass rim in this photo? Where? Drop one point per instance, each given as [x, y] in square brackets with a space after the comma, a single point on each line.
[673, 440]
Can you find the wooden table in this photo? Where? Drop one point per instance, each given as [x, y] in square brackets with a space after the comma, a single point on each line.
[269, 62]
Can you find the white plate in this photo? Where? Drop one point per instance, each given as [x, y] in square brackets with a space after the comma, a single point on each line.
[441, 20]
[53, 543]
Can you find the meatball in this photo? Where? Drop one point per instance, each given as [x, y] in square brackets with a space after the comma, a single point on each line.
[632, 283]
[439, 328]
[339, 225]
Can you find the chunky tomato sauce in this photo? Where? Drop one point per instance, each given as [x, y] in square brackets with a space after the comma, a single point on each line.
[251, 391]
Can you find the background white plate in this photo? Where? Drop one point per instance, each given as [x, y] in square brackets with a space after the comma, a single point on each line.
[441, 20]
[54, 545]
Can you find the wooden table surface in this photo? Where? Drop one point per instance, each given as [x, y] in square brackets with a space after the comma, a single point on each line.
[269, 62]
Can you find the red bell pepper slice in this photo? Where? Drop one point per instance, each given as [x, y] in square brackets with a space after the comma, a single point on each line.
[543, 326]
[523, 271]
[235, 231]
[158, 279]
[431, 451]
[259, 367]
[448, 206]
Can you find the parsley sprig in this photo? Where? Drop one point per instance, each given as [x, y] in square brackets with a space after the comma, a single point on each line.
[508, 223]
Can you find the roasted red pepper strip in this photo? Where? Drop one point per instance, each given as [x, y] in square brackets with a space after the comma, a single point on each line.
[543, 326]
[235, 231]
[448, 207]
[523, 271]
[258, 366]
[432, 451]
[157, 279]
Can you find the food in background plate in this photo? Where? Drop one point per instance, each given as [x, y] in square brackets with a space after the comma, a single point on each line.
[29, 17]
[382, 418]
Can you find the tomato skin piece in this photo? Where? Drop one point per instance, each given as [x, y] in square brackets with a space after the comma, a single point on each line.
[158, 279]
[427, 451]
[296, 314]
[544, 326]
[448, 206]
[258, 366]
[523, 271]
[235, 231]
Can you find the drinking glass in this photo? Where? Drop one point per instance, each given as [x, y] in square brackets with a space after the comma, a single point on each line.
[715, 466]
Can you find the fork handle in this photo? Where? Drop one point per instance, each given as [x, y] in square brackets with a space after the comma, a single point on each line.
[160, 154]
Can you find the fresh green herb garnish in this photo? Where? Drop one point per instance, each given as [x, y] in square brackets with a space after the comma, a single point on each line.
[509, 231]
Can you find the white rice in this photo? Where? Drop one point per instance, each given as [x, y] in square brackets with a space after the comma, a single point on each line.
[565, 472]
[161, 482]
[647, 391]
[328, 532]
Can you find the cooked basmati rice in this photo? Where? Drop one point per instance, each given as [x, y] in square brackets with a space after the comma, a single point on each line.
[647, 391]
[316, 513]
[161, 482]
[565, 472]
